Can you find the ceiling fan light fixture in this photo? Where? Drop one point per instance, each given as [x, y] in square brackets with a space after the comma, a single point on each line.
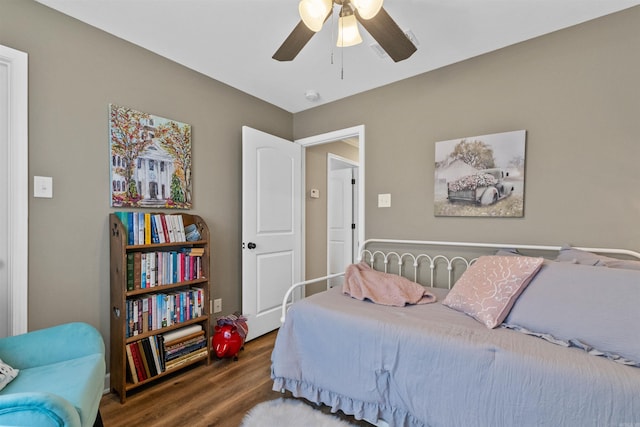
[314, 12]
[348, 34]
[367, 9]
[380, 26]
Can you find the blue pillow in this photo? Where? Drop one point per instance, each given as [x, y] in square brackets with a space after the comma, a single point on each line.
[578, 256]
[587, 306]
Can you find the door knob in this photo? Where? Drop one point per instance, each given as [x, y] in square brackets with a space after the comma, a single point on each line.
[251, 245]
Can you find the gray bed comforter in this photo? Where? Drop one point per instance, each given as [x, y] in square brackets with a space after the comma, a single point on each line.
[428, 365]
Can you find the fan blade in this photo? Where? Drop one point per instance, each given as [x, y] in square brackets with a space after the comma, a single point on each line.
[387, 33]
[298, 38]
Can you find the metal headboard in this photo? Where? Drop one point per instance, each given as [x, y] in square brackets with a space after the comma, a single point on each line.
[454, 264]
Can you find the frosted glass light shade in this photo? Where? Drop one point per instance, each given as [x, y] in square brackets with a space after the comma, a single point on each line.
[314, 12]
[348, 34]
[367, 9]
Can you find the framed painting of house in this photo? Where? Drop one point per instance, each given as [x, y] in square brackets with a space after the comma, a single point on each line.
[480, 176]
[150, 164]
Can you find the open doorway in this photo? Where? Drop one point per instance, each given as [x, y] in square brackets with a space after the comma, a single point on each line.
[340, 150]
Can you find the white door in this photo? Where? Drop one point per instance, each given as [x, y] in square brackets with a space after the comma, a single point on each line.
[340, 221]
[271, 226]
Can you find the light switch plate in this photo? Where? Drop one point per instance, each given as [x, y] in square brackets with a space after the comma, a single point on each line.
[384, 200]
[43, 186]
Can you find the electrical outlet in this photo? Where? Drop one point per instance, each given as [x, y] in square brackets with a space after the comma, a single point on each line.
[217, 305]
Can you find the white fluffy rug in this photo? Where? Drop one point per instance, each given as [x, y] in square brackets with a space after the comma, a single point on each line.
[289, 413]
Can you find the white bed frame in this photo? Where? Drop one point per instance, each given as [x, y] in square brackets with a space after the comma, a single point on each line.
[402, 259]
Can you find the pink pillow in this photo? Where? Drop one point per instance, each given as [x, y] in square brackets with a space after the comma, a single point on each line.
[490, 287]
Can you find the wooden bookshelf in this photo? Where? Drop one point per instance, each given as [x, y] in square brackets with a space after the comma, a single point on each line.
[122, 295]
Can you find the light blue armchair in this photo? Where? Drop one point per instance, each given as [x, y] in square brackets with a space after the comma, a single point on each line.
[61, 377]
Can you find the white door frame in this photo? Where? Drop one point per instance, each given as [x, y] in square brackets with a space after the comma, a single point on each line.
[17, 163]
[325, 138]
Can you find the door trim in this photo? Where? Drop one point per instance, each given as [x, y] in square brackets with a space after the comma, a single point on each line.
[325, 138]
[18, 191]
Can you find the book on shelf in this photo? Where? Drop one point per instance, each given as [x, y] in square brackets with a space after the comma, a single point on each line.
[132, 313]
[184, 345]
[189, 345]
[178, 334]
[145, 314]
[159, 228]
[165, 228]
[151, 269]
[146, 358]
[154, 230]
[145, 365]
[180, 227]
[148, 354]
[155, 351]
[137, 270]
[143, 270]
[149, 312]
[194, 251]
[130, 271]
[137, 360]
[172, 228]
[146, 228]
[131, 364]
[140, 233]
[187, 358]
[130, 227]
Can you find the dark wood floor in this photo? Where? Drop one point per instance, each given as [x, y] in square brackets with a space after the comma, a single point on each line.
[218, 394]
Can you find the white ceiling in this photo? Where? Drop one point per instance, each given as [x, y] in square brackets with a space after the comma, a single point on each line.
[233, 40]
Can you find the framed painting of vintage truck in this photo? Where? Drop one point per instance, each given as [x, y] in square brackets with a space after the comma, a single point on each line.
[481, 176]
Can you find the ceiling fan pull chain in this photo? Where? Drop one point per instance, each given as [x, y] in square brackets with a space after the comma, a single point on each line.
[333, 27]
[340, 22]
[342, 64]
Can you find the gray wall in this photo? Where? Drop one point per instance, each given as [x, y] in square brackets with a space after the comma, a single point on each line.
[75, 71]
[577, 94]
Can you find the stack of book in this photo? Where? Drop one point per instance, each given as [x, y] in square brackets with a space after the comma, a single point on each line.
[145, 358]
[150, 269]
[150, 312]
[151, 356]
[184, 345]
[147, 228]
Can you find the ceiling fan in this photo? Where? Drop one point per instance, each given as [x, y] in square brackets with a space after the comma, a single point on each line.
[369, 13]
